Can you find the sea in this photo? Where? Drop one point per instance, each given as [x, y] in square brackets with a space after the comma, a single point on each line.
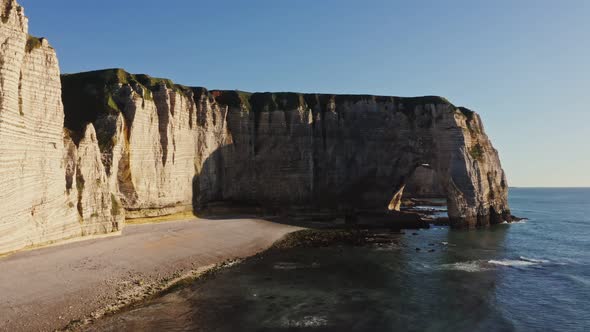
[532, 275]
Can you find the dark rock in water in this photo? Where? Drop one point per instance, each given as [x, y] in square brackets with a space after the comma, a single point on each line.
[414, 233]
[428, 202]
[409, 220]
[418, 249]
[335, 237]
[515, 218]
[408, 202]
[441, 221]
[431, 250]
[350, 218]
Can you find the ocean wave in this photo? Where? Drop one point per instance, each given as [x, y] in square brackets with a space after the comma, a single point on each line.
[471, 266]
[533, 260]
[430, 208]
[580, 280]
[513, 222]
[511, 262]
[483, 265]
[520, 262]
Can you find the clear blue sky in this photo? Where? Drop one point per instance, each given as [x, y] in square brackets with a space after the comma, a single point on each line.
[523, 65]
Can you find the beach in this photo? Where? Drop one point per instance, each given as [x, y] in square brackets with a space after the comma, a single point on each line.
[71, 284]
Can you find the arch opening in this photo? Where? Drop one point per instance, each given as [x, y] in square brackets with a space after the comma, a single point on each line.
[422, 192]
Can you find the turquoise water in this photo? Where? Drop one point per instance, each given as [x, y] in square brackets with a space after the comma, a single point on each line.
[530, 276]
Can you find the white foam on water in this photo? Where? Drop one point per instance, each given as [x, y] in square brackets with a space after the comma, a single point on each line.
[307, 321]
[511, 262]
[520, 262]
[533, 260]
[471, 266]
[430, 208]
[513, 222]
[477, 266]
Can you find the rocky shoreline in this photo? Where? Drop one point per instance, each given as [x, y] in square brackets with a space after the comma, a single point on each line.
[328, 236]
[322, 238]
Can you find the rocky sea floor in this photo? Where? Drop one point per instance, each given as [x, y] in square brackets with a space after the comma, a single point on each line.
[532, 275]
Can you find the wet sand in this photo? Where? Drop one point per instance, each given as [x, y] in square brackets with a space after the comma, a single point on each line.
[49, 288]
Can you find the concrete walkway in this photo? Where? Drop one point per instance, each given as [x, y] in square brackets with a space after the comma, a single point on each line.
[45, 289]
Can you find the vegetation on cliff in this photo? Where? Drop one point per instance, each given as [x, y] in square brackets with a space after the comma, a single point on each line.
[33, 43]
[91, 94]
[6, 11]
[476, 152]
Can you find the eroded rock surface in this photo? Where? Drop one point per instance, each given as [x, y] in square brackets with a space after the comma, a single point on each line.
[36, 203]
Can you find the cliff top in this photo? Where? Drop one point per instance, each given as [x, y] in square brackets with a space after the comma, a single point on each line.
[88, 94]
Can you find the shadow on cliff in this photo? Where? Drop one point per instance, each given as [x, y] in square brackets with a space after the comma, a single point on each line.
[231, 185]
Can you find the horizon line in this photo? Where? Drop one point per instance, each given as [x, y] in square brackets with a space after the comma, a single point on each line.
[551, 187]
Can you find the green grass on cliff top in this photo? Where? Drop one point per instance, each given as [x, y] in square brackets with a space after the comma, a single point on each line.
[88, 94]
[91, 94]
[266, 100]
[33, 43]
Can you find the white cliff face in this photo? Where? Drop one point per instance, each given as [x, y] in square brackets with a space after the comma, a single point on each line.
[163, 150]
[484, 198]
[284, 150]
[35, 205]
[98, 205]
[359, 151]
[154, 136]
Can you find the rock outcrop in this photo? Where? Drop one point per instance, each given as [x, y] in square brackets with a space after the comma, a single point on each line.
[134, 145]
[37, 205]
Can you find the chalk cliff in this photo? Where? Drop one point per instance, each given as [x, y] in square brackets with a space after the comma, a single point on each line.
[153, 135]
[133, 145]
[284, 151]
[36, 204]
[342, 152]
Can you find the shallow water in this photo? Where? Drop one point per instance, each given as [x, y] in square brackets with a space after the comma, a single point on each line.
[528, 276]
